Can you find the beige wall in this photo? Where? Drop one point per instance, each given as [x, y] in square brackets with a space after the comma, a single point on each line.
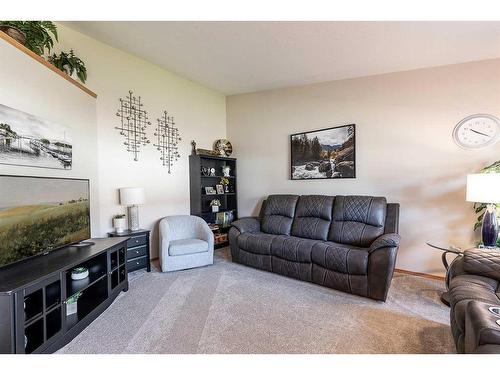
[28, 86]
[404, 148]
[200, 114]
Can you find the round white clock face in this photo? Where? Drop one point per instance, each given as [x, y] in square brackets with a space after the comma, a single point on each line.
[477, 131]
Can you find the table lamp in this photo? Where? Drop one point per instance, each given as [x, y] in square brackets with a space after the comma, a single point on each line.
[132, 197]
[485, 188]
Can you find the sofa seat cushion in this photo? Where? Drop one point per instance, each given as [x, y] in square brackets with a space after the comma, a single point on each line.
[257, 242]
[187, 246]
[340, 258]
[293, 248]
[465, 288]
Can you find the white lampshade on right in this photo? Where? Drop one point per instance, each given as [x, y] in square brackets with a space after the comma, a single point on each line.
[483, 188]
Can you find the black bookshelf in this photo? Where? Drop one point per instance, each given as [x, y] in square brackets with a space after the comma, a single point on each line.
[200, 200]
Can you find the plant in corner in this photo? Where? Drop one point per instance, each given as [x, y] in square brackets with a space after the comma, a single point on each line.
[480, 207]
[38, 34]
[69, 63]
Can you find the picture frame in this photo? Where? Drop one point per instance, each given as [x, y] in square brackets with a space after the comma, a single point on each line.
[31, 141]
[209, 190]
[328, 153]
[220, 218]
[220, 189]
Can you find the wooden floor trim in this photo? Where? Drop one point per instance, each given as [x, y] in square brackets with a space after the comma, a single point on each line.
[420, 274]
[41, 60]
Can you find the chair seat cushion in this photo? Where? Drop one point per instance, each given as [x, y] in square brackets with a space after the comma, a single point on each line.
[187, 246]
[340, 258]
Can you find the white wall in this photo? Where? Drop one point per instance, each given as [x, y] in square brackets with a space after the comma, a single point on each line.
[404, 148]
[200, 114]
[28, 86]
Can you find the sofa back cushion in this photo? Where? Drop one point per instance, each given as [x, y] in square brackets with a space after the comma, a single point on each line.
[313, 217]
[278, 214]
[357, 220]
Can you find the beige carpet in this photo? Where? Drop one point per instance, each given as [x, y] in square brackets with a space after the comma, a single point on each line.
[230, 308]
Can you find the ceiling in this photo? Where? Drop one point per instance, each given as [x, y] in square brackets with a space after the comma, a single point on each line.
[239, 57]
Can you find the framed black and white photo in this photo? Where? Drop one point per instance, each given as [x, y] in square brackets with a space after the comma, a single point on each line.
[31, 141]
[323, 154]
[220, 189]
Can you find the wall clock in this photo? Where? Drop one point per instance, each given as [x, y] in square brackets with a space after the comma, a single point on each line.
[477, 131]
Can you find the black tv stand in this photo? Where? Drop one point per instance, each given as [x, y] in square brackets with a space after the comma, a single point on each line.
[36, 295]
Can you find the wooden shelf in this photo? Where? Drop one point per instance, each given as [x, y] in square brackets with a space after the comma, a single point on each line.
[42, 61]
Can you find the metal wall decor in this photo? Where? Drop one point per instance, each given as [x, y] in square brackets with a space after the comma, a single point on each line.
[134, 121]
[167, 140]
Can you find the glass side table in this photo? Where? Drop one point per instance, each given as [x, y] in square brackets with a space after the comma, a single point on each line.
[458, 253]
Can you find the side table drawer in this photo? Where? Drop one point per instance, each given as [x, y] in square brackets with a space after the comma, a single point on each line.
[136, 252]
[137, 263]
[136, 241]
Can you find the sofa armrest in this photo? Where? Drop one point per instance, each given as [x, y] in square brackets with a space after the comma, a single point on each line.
[482, 333]
[482, 262]
[385, 240]
[247, 224]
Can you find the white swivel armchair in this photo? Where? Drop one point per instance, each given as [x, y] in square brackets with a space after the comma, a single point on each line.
[185, 242]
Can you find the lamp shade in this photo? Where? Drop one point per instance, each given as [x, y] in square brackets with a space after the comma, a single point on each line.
[132, 196]
[483, 188]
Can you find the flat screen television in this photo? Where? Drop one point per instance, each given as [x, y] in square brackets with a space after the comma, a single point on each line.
[41, 214]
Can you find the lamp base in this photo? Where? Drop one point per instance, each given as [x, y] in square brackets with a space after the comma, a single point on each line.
[133, 217]
[489, 229]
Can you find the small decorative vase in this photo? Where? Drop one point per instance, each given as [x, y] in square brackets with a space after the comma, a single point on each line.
[215, 208]
[489, 228]
[226, 188]
[120, 224]
[71, 308]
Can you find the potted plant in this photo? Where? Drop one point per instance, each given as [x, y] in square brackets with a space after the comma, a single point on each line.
[120, 223]
[69, 63]
[225, 182]
[37, 34]
[215, 203]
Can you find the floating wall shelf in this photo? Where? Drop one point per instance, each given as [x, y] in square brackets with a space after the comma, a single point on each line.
[41, 60]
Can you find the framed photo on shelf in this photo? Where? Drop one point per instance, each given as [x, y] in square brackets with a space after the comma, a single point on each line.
[220, 218]
[220, 189]
[209, 190]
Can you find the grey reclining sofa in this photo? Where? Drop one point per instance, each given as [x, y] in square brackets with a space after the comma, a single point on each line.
[347, 243]
[475, 301]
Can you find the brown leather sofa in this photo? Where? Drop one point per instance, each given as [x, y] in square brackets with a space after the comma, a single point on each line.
[347, 243]
[475, 301]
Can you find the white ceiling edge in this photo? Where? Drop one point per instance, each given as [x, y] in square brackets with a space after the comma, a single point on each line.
[244, 57]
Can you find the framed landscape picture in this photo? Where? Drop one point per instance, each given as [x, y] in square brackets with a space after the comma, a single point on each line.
[31, 141]
[323, 154]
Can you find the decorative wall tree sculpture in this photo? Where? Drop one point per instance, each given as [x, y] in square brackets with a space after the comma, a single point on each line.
[134, 121]
[167, 140]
